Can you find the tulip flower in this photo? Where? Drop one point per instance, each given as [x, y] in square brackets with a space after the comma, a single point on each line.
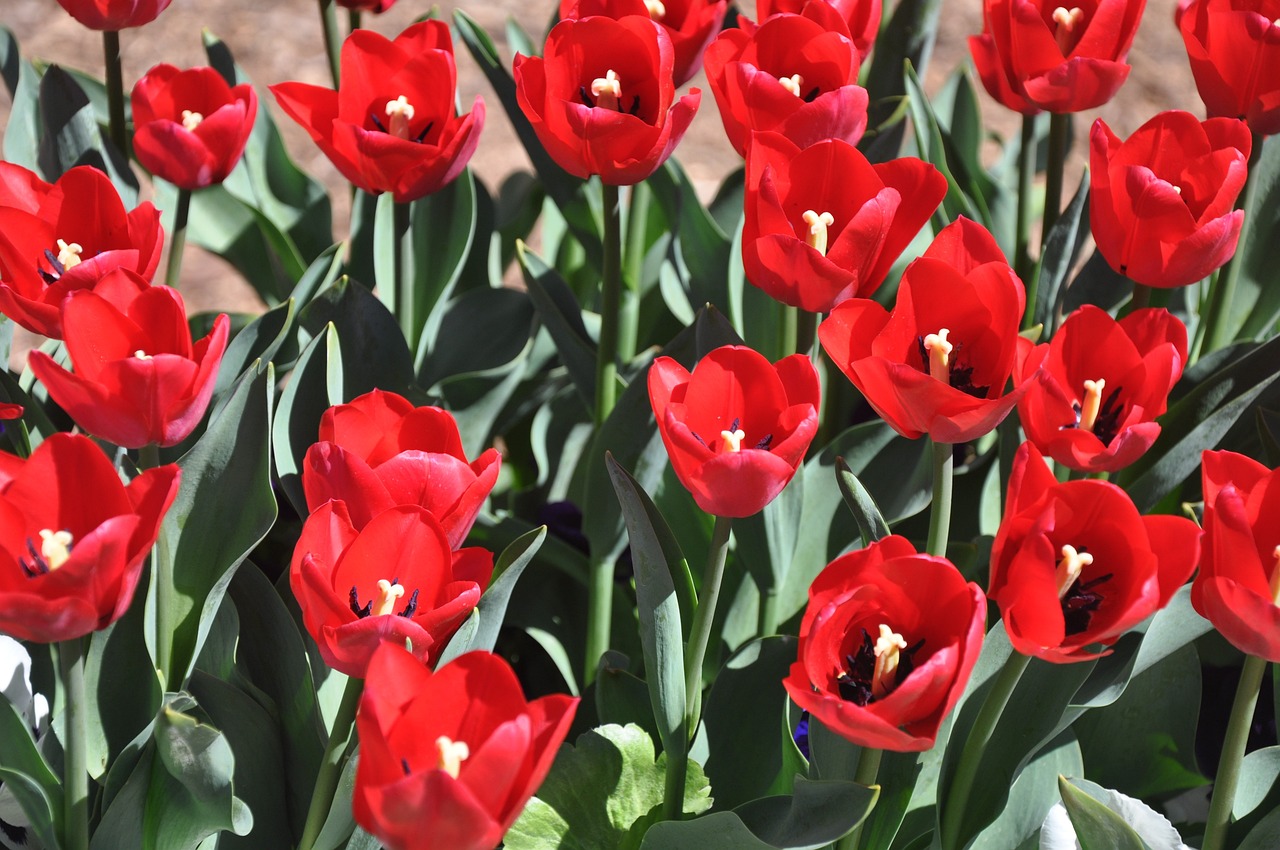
[1036, 54]
[391, 126]
[1238, 586]
[190, 127]
[938, 363]
[823, 224]
[887, 643]
[73, 537]
[449, 759]
[737, 427]
[862, 17]
[691, 24]
[137, 376]
[377, 7]
[395, 579]
[380, 451]
[60, 237]
[1162, 202]
[1234, 51]
[1075, 566]
[114, 15]
[1101, 385]
[795, 74]
[602, 97]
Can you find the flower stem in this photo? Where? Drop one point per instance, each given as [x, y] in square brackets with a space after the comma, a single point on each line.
[807, 334]
[178, 241]
[700, 632]
[1224, 785]
[1218, 315]
[768, 621]
[976, 744]
[332, 43]
[940, 509]
[353, 20]
[610, 300]
[115, 90]
[599, 614]
[633, 271]
[162, 575]
[1059, 127]
[868, 767]
[676, 777]
[331, 764]
[1022, 249]
[404, 276]
[788, 336]
[75, 824]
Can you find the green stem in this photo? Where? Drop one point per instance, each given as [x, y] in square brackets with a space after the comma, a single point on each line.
[115, 90]
[1223, 293]
[976, 744]
[353, 20]
[1059, 126]
[768, 611]
[673, 790]
[162, 575]
[1224, 785]
[868, 767]
[633, 269]
[700, 632]
[1026, 180]
[331, 765]
[599, 614]
[332, 43]
[178, 241]
[405, 304]
[75, 813]
[788, 317]
[940, 509]
[610, 299]
[807, 334]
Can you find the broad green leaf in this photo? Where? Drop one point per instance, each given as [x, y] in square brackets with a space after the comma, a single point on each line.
[907, 37]
[114, 715]
[1264, 836]
[257, 341]
[560, 313]
[442, 232]
[621, 697]
[25, 772]
[933, 147]
[306, 397]
[1259, 771]
[1097, 827]
[70, 135]
[1061, 251]
[1033, 794]
[481, 329]
[1097, 284]
[701, 251]
[22, 133]
[871, 524]
[374, 354]
[340, 823]
[1256, 307]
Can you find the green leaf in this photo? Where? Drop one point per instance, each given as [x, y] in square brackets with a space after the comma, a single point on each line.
[1259, 771]
[933, 148]
[1264, 836]
[24, 771]
[621, 697]
[320, 275]
[374, 354]
[1034, 793]
[481, 329]
[258, 341]
[1256, 307]
[1061, 251]
[871, 525]
[443, 227]
[340, 823]
[70, 135]
[560, 313]
[306, 397]
[1097, 284]
[114, 715]
[492, 608]
[701, 252]
[22, 133]
[1097, 827]
[907, 37]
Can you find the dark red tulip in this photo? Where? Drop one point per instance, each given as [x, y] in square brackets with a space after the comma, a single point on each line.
[73, 538]
[114, 14]
[691, 24]
[887, 644]
[861, 16]
[377, 7]
[391, 126]
[1234, 48]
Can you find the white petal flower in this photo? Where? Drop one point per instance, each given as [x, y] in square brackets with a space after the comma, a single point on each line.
[1057, 832]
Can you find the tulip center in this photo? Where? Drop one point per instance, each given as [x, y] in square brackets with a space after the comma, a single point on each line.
[792, 83]
[55, 549]
[607, 90]
[451, 754]
[657, 11]
[888, 650]
[69, 254]
[877, 667]
[1078, 598]
[731, 441]
[818, 223]
[1067, 31]
[141, 355]
[936, 352]
[1096, 413]
[389, 592]
[191, 120]
[399, 114]
[1275, 577]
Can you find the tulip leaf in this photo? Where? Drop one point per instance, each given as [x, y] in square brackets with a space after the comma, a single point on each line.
[1256, 307]
[320, 275]
[258, 340]
[478, 399]
[907, 36]
[1033, 794]
[622, 698]
[766, 542]
[560, 313]
[22, 133]
[1269, 434]
[1264, 836]
[933, 149]
[374, 353]
[1097, 284]
[871, 524]
[507, 570]
[701, 251]
[602, 793]
[70, 135]
[442, 235]
[118, 654]
[305, 399]
[340, 823]
[1061, 251]
[1097, 826]
[24, 771]
[480, 329]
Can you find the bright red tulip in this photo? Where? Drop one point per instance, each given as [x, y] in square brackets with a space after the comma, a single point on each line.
[939, 362]
[602, 97]
[824, 225]
[114, 14]
[380, 451]
[861, 16]
[1162, 202]
[394, 579]
[1238, 586]
[190, 127]
[1036, 54]
[1075, 566]
[887, 644]
[691, 24]
[1102, 384]
[737, 427]
[449, 759]
[391, 126]
[61, 237]
[1234, 48]
[795, 74]
[138, 378]
[73, 538]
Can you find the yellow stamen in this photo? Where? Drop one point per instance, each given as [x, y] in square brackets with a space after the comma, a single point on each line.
[55, 547]
[1067, 21]
[731, 441]
[657, 11]
[399, 113]
[817, 235]
[388, 594]
[1092, 404]
[141, 355]
[939, 355]
[1275, 577]
[69, 254]
[607, 90]
[451, 754]
[792, 83]
[191, 120]
[888, 650]
[1070, 568]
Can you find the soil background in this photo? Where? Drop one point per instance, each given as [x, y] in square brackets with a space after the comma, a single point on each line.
[278, 40]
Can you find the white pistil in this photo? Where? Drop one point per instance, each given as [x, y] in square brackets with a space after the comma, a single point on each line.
[69, 254]
[792, 83]
[55, 547]
[607, 91]
[1092, 404]
[888, 651]
[1067, 20]
[1069, 568]
[939, 355]
[657, 11]
[1275, 577]
[191, 120]
[388, 595]
[816, 238]
[141, 355]
[399, 114]
[732, 440]
[451, 754]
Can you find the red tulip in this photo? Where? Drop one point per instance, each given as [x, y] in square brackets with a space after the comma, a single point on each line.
[1102, 384]
[1234, 48]
[887, 643]
[737, 427]
[73, 538]
[380, 451]
[391, 126]
[1162, 202]
[1074, 565]
[1036, 54]
[394, 579]
[114, 14]
[939, 362]
[1238, 585]
[861, 16]
[190, 127]
[138, 377]
[449, 759]
[58, 238]
[823, 225]
[795, 74]
[602, 97]
[691, 24]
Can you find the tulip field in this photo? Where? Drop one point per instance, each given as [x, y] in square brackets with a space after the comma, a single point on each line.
[914, 487]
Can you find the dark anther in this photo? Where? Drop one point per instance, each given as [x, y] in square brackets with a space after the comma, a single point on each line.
[586, 96]
[737, 423]
[962, 380]
[404, 765]
[855, 684]
[411, 608]
[812, 95]
[635, 106]
[1080, 603]
[1108, 420]
[355, 604]
[58, 269]
[38, 565]
[377, 123]
[698, 438]
[425, 130]
[765, 441]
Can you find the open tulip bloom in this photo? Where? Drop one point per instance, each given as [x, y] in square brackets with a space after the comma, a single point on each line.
[690, 24]
[1233, 50]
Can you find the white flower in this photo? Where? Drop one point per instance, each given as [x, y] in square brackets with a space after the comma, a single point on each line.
[1057, 832]
[15, 686]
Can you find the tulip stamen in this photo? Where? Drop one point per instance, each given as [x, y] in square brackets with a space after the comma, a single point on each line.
[876, 667]
[792, 83]
[1092, 404]
[451, 754]
[1275, 577]
[404, 765]
[69, 254]
[731, 441]
[816, 237]
[191, 120]
[1068, 22]
[939, 351]
[399, 113]
[141, 355]
[607, 91]
[657, 11]
[385, 602]
[888, 652]
[1068, 570]
[388, 594]
[55, 549]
